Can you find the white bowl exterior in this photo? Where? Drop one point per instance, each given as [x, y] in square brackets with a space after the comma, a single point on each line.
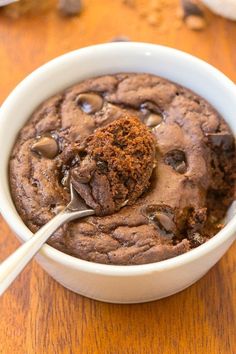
[138, 288]
[121, 284]
[225, 8]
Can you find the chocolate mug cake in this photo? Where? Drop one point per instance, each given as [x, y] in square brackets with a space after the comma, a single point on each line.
[168, 190]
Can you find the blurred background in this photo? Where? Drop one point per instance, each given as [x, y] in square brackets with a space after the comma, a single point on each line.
[33, 32]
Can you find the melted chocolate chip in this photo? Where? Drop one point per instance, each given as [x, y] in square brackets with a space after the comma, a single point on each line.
[151, 114]
[177, 160]
[164, 222]
[89, 102]
[223, 140]
[162, 216]
[84, 172]
[153, 120]
[46, 146]
[181, 168]
[150, 106]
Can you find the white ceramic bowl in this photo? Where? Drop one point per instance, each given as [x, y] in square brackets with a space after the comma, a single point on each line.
[225, 8]
[119, 284]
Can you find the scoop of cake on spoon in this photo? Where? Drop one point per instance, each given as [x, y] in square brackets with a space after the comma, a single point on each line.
[115, 170]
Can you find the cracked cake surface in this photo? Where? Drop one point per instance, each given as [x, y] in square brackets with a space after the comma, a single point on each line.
[184, 201]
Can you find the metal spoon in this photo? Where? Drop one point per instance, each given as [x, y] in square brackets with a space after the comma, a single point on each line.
[16, 262]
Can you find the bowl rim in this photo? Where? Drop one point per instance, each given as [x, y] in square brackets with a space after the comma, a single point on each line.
[10, 214]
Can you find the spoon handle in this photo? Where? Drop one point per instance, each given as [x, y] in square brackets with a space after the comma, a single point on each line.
[16, 262]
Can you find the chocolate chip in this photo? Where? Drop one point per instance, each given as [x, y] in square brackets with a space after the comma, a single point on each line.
[89, 102]
[177, 160]
[46, 146]
[153, 120]
[150, 106]
[70, 7]
[151, 114]
[222, 140]
[164, 222]
[162, 216]
[190, 7]
[193, 15]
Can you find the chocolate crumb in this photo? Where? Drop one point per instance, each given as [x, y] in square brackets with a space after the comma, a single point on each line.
[192, 15]
[70, 7]
[191, 8]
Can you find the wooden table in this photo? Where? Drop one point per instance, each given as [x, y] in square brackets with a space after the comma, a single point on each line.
[37, 315]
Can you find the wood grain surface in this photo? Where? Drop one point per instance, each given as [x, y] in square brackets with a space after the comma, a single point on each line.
[39, 316]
